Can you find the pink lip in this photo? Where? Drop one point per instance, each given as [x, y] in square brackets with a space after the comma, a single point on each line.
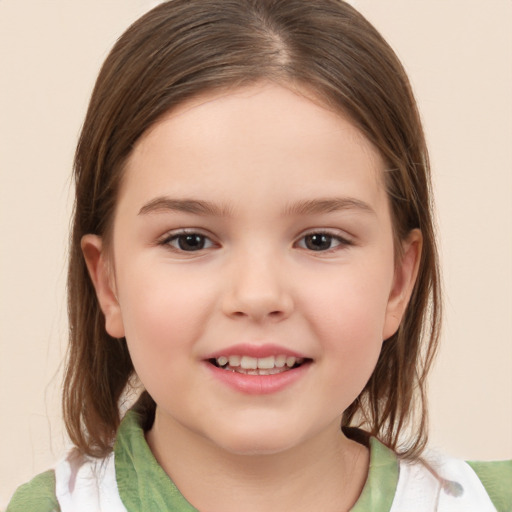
[257, 351]
[258, 384]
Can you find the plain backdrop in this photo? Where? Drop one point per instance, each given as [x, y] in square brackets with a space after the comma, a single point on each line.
[459, 57]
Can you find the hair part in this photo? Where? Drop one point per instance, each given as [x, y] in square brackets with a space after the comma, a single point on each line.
[182, 49]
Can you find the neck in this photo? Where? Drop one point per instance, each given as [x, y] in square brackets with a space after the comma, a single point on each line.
[324, 473]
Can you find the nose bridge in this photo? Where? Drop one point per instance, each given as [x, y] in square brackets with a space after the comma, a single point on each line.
[258, 284]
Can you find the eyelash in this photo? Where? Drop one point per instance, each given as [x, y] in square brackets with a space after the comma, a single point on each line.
[205, 240]
[180, 235]
[342, 242]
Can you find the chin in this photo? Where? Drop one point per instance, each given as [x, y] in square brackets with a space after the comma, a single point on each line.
[256, 441]
[256, 449]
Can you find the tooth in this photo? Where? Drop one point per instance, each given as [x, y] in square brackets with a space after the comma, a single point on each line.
[280, 361]
[266, 362]
[222, 361]
[262, 366]
[234, 360]
[290, 361]
[249, 363]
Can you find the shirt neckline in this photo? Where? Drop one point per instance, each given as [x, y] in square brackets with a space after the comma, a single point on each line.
[144, 485]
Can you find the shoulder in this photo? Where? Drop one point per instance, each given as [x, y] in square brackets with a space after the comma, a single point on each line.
[496, 477]
[79, 483]
[38, 495]
[453, 484]
[86, 483]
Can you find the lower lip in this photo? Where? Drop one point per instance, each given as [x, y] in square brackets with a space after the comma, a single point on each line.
[258, 384]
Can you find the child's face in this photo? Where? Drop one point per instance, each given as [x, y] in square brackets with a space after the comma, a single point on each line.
[253, 223]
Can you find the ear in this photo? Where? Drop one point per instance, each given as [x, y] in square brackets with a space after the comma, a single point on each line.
[98, 266]
[406, 272]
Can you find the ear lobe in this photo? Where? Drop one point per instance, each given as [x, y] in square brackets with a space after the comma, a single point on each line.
[404, 279]
[103, 282]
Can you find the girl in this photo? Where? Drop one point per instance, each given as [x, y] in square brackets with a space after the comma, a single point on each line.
[253, 254]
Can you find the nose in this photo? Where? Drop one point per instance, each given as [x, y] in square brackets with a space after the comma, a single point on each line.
[257, 288]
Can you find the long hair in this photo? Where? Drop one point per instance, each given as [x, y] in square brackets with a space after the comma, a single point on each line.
[184, 48]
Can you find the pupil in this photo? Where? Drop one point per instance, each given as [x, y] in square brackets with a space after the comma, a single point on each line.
[191, 242]
[318, 242]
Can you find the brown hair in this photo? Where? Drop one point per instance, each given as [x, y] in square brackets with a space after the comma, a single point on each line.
[183, 48]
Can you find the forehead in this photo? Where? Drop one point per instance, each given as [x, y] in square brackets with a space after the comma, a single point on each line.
[263, 137]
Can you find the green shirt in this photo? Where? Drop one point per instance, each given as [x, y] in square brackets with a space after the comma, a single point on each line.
[144, 486]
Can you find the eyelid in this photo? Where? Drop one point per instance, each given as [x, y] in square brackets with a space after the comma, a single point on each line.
[343, 238]
[176, 233]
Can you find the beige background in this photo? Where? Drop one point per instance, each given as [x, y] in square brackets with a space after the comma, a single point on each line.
[458, 54]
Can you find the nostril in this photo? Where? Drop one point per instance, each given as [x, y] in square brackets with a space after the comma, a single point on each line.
[272, 314]
[258, 306]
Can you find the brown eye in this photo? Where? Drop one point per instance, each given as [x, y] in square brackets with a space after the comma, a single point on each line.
[192, 242]
[188, 242]
[319, 242]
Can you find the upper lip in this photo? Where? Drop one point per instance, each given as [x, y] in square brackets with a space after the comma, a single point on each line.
[255, 350]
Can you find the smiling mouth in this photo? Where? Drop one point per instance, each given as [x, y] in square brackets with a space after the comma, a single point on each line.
[270, 365]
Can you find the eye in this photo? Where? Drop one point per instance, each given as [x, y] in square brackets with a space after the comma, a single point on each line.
[322, 242]
[188, 242]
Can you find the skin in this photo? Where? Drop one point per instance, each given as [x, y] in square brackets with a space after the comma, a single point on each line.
[257, 154]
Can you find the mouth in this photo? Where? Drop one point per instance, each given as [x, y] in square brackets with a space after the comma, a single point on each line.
[270, 365]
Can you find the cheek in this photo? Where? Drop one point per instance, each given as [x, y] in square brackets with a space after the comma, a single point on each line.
[352, 343]
[347, 313]
[162, 315]
[350, 304]
[352, 337]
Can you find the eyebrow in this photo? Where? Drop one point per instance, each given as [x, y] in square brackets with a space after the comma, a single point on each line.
[193, 206]
[207, 208]
[328, 205]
